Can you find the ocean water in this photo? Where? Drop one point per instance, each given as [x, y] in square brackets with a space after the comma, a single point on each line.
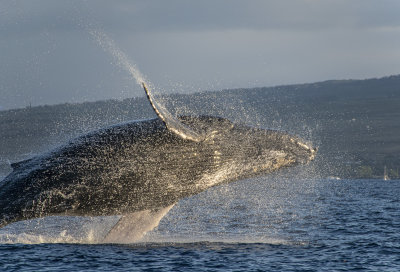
[262, 224]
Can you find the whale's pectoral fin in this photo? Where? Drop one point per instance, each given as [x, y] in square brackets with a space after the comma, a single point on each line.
[172, 123]
[132, 227]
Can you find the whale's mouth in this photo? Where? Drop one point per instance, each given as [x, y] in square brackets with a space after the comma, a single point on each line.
[309, 155]
[303, 151]
[313, 153]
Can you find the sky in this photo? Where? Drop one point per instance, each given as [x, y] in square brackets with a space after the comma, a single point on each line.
[48, 56]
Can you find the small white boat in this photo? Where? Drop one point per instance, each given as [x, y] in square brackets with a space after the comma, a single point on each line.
[385, 174]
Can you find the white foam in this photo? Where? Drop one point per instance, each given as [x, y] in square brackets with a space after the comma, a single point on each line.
[26, 238]
[56, 229]
[237, 239]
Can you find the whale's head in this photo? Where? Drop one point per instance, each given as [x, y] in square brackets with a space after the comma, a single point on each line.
[247, 151]
[272, 146]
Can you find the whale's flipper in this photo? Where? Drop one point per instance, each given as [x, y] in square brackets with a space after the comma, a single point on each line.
[132, 227]
[172, 123]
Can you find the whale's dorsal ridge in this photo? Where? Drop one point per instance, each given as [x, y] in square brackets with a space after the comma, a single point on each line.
[171, 122]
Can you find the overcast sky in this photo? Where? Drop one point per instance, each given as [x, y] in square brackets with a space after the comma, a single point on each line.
[47, 55]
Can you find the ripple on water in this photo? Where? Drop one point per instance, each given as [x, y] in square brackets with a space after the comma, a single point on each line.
[330, 226]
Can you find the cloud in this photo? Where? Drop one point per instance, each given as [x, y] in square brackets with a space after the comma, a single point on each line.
[49, 57]
[206, 15]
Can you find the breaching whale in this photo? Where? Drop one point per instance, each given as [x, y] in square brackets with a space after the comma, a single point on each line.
[140, 169]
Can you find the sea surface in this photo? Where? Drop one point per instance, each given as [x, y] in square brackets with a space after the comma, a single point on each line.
[262, 224]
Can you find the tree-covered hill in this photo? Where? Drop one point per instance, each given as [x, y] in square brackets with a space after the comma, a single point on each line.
[354, 123]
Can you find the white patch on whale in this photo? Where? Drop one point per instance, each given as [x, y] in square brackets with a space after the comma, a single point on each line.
[132, 227]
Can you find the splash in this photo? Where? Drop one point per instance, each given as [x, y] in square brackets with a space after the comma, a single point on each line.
[62, 237]
[84, 230]
[120, 58]
[210, 239]
[58, 229]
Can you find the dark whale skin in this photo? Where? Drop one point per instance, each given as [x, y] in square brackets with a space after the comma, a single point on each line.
[142, 165]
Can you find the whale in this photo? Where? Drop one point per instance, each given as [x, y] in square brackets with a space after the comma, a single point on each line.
[140, 169]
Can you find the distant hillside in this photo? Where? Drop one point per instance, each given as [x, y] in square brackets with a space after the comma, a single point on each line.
[355, 123]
